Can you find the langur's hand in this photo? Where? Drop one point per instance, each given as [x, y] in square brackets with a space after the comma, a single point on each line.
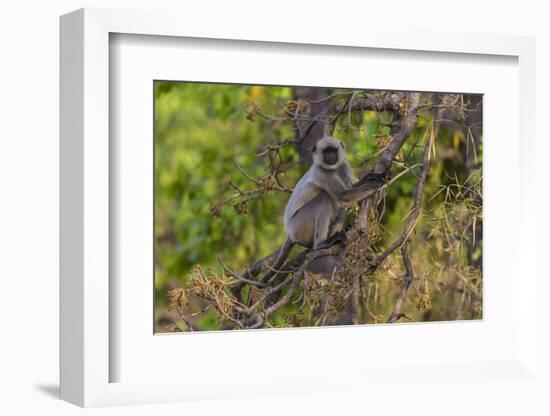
[373, 180]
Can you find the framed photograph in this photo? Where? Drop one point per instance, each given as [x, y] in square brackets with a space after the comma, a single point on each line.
[292, 210]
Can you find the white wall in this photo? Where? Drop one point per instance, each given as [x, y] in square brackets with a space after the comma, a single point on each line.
[29, 183]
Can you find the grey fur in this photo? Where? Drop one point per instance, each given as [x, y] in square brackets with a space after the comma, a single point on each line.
[315, 210]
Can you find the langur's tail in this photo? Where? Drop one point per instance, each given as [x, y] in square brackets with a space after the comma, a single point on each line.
[281, 257]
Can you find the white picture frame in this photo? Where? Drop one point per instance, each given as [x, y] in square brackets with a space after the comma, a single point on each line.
[86, 356]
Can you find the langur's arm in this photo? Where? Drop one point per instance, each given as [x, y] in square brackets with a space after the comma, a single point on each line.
[333, 186]
[364, 187]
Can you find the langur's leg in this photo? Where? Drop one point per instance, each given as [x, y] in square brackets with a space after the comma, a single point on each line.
[322, 225]
[327, 264]
[338, 224]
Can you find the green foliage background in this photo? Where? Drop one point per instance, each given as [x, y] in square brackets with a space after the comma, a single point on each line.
[201, 129]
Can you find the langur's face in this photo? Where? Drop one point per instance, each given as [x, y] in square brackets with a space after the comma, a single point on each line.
[328, 153]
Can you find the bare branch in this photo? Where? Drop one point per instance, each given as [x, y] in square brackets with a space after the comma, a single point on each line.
[386, 103]
[407, 125]
[407, 280]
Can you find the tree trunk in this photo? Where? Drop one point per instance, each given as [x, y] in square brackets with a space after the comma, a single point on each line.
[311, 131]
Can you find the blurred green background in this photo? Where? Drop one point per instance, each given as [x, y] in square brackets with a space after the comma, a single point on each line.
[201, 130]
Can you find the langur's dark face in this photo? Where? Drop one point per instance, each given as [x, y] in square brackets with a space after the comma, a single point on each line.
[330, 155]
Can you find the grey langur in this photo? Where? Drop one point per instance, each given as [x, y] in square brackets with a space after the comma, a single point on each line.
[316, 208]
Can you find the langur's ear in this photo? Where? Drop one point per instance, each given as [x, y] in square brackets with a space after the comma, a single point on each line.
[342, 144]
[314, 148]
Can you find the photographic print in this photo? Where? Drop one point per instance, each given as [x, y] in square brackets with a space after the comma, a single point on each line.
[294, 206]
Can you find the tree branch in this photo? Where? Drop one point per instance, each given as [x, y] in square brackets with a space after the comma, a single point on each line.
[413, 215]
[407, 280]
[407, 126]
